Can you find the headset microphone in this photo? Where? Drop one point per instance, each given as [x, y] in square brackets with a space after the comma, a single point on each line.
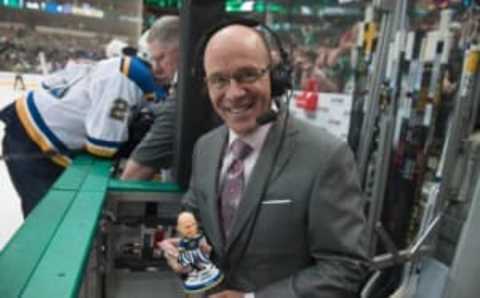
[267, 117]
[271, 115]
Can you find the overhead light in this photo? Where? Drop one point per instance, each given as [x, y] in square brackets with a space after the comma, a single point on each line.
[247, 6]
[306, 10]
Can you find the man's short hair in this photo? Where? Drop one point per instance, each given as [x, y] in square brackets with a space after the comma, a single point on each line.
[165, 30]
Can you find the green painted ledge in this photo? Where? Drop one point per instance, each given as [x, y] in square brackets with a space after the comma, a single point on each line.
[47, 256]
[142, 186]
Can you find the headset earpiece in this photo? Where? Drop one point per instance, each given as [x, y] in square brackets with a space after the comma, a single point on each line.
[280, 79]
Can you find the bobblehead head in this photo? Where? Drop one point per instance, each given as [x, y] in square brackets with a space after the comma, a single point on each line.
[187, 225]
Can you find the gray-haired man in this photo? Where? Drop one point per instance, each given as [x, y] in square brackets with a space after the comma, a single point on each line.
[155, 151]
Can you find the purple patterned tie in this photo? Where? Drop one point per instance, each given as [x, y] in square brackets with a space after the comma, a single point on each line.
[233, 184]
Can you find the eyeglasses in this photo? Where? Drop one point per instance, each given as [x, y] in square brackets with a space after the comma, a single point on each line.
[248, 75]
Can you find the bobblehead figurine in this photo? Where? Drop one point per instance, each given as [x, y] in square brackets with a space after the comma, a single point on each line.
[202, 273]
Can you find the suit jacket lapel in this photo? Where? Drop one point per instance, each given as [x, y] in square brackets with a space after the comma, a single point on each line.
[214, 156]
[252, 195]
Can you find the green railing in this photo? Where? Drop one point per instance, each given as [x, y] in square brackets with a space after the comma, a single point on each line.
[47, 256]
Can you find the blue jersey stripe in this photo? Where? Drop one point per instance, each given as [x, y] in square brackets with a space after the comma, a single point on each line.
[37, 118]
[136, 70]
[103, 143]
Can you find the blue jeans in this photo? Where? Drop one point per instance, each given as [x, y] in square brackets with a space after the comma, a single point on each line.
[31, 172]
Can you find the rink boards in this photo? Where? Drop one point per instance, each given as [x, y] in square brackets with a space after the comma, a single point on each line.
[7, 80]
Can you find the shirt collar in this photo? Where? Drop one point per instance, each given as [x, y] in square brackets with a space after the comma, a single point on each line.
[254, 139]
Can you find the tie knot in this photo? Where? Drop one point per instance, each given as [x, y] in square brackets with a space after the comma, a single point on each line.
[240, 149]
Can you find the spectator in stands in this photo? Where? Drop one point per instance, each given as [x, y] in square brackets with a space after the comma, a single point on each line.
[23, 46]
[322, 71]
[333, 65]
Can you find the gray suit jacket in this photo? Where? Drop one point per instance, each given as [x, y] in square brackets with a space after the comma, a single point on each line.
[305, 237]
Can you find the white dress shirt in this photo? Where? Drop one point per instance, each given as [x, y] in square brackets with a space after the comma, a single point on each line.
[255, 140]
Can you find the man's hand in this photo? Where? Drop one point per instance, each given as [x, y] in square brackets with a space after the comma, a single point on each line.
[170, 251]
[136, 171]
[227, 294]
[205, 247]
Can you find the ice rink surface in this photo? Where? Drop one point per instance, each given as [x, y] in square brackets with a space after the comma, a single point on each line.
[10, 214]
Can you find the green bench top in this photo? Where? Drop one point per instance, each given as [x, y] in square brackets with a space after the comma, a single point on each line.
[47, 256]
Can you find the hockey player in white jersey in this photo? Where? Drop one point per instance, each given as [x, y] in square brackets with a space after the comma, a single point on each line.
[83, 108]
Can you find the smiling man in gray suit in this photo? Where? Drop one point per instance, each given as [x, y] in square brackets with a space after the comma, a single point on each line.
[298, 231]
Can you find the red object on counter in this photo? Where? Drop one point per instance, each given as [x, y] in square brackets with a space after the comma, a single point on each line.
[308, 99]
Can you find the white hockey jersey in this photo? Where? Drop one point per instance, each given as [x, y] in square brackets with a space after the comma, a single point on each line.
[87, 107]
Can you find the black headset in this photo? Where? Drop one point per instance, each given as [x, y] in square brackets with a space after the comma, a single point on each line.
[280, 73]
